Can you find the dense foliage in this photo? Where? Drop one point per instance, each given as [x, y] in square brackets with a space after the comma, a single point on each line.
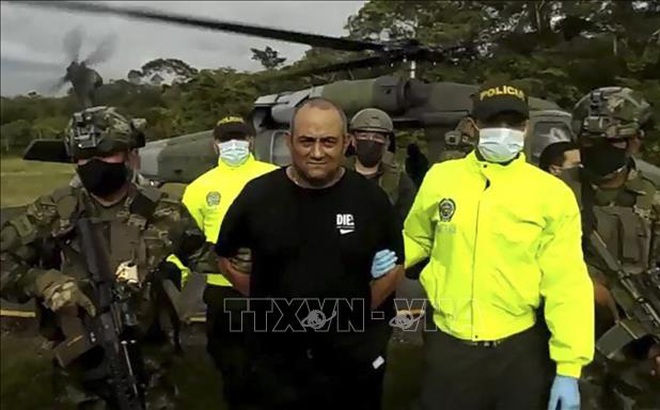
[557, 49]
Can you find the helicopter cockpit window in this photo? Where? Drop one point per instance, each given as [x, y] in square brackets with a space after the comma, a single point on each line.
[279, 152]
[546, 133]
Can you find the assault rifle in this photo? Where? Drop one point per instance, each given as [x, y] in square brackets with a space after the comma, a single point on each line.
[637, 294]
[112, 332]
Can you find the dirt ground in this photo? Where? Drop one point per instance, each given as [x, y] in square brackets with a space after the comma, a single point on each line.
[25, 372]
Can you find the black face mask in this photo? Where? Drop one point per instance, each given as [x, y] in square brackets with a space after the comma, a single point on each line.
[602, 160]
[102, 178]
[369, 152]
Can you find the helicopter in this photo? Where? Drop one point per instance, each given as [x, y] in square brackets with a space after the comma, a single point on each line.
[413, 104]
[84, 79]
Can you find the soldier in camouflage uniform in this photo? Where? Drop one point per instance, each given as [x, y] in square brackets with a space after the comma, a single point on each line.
[40, 258]
[372, 133]
[373, 130]
[622, 204]
[460, 141]
[137, 124]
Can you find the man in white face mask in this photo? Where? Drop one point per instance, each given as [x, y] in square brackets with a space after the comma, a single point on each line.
[503, 240]
[502, 118]
[208, 198]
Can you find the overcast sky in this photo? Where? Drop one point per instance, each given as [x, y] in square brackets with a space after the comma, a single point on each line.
[32, 51]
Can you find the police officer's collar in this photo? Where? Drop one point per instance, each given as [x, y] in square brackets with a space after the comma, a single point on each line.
[474, 158]
[222, 165]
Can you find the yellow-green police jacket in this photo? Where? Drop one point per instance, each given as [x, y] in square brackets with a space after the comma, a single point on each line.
[500, 240]
[209, 196]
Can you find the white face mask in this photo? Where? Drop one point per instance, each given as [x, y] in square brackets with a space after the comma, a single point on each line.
[234, 152]
[500, 144]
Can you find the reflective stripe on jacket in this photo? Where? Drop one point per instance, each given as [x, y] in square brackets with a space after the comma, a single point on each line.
[502, 239]
[209, 196]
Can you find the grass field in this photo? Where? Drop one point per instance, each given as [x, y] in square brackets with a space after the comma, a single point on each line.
[23, 181]
[25, 372]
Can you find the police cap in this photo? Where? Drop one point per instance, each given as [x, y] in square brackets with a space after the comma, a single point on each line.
[499, 99]
[232, 127]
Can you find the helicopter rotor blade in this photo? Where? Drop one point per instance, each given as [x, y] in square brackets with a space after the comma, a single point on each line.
[365, 62]
[103, 52]
[73, 44]
[315, 40]
[421, 54]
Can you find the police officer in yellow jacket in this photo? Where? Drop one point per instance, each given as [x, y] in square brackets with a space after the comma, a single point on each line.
[208, 198]
[504, 241]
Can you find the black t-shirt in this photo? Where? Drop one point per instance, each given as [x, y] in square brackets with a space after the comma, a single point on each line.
[312, 243]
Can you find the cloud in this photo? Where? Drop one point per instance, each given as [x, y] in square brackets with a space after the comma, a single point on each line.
[31, 41]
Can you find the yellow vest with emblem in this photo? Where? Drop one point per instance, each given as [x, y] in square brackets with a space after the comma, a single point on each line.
[502, 240]
[208, 198]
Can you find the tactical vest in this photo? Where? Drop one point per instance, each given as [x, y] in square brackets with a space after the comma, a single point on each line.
[123, 229]
[390, 180]
[626, 225]
[389, 176]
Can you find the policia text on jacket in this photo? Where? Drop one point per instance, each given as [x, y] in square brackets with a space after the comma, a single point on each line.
[498, 261]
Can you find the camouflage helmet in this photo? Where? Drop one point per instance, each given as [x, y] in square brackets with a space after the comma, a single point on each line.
[372, 119]
[464, 135]
[102, 131]
[611, 112]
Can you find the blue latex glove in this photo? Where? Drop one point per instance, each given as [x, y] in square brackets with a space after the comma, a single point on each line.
[564, 394]
[384, 261]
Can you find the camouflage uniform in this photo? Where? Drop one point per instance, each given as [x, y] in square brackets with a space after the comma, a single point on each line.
[401, 190]
[460, 141]
[627, 218]
[391, 176]
[40, 250]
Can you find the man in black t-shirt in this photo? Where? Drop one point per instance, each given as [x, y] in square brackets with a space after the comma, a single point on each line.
[327, 252]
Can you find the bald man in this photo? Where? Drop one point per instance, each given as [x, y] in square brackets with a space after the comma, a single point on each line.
[327, 252]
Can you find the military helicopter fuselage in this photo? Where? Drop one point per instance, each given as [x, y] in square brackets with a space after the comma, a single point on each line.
[434, 108]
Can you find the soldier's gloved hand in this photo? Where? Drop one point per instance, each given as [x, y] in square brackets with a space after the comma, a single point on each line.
[564, 394]
[59, 290]
[383, 262]
[242, 261]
